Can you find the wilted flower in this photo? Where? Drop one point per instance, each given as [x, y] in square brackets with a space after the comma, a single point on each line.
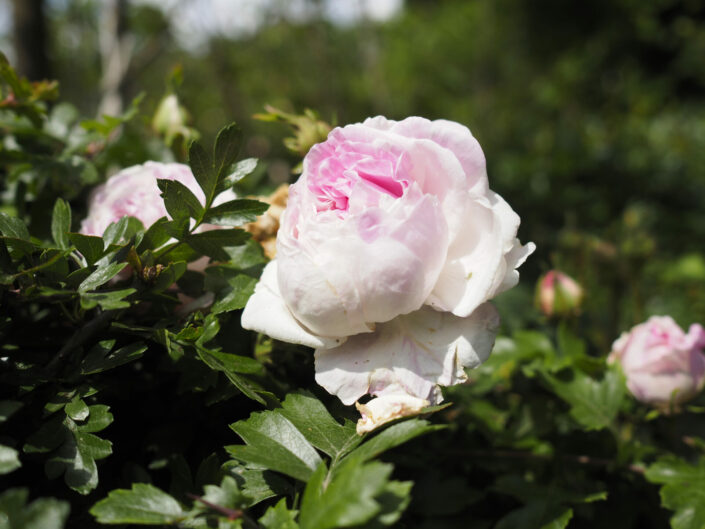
[558, 294]
[662, 364]
[389, 248]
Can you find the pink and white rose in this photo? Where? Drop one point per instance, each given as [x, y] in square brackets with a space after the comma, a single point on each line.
[387, 253]
[663, 365]
[134, 192]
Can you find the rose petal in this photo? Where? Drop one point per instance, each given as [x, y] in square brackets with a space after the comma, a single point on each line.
[381, 410]
[482, 260]
[448, 134]
[267, 313]
[414, 352]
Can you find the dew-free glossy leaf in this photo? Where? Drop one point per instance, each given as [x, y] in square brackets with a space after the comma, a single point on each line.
[143, 504]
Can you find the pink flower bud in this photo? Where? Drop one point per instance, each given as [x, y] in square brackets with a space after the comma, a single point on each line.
[663, 365]
[558, 294]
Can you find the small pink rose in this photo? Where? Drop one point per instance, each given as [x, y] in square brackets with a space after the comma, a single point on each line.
[663, 364]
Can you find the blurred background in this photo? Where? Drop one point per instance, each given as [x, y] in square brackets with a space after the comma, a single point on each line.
[591, 114]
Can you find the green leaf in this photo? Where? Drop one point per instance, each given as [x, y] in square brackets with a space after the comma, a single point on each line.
[13, 227]
[594, 404]
[91, 247]
[395, 435]
[42, 513]
[61, 223]
[233, 366]
[143, 504]
[211, 243]
[107, 300]
[99, 418]
[235, 212]
[98, 359]
[227, 495]
[101, 276]
[155, 236]
[8, 408]
[540, 514]
[226, 149]
[122, 230]
[19, 245]
[239, 171]
[239, 290]
[77, 409]
[311, 417]
[682, 490]
[202, 167]
[394, 499]
[76, 457]
[179, 200]
[274, 442]
[9, 459]
[349, 497]
[279, 517]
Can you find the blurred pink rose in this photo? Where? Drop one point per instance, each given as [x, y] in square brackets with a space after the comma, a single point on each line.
[388, 249]
[558, 294]
[134, 192]
[663, 365]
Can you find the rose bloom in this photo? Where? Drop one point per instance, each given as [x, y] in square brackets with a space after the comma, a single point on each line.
[663, 365]
[134, 192]
[388, 250]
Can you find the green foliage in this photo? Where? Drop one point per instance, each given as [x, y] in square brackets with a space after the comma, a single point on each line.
[143, 504]
[42, 513]
[682, 490]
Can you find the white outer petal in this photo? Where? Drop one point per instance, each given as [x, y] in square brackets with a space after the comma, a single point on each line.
[381, 410]
[413, 353]
[483, 257]
[267, 313]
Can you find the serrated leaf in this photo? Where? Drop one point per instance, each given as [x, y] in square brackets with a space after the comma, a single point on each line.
[9, 459]
[42, 513]
[279, 517]
[143, 504]
[213, 242]
[348, 499]
[76, 458]
[90, 246]
[682, 490]
[77, 409]
[101, 276]
[122, 230]
[61, 223]
[395, 435]
[14, 244]
[239, 290]
[155, 236]
[259, 485]
[179, 201]
[13, 227]
[594, 404]
[274, 442]
[99, 418]
[226, 149]
[98, 360]
[235, 212]
[312, 419]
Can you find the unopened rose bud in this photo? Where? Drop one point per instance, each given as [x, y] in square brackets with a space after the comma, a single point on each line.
[558, 294]
[663, 365]
[170, 120]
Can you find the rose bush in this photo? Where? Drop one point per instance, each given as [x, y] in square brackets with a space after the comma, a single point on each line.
[389, 248]
[663, 365]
